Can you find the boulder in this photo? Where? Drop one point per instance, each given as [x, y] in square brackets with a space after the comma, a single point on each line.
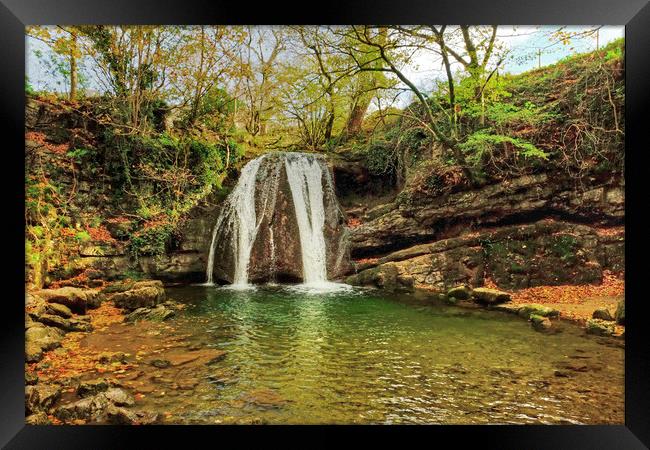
[526, 311]
[41, 397]
[386, 276]
[540, 323]
[119, 397]
[122, 416]
[90, 408]
[459, 292]
[78, 300]
[39, 418]
[141, 295]
[602, 314]
[91, 387]
[489, 296]
[39, 339]
[58, 310]
[620, 312]
[72, 324]
[600, 327]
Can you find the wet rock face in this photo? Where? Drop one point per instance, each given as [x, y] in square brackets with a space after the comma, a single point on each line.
[276, 253]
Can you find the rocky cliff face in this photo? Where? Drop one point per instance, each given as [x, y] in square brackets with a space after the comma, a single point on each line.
[531, 231]
[520, 200]
[547, 252]
[188, 260]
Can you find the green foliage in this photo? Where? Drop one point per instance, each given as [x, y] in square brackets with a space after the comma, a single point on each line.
[565, 247]
[510, 115]
[82, 236]
[380, 157]
[29, 89]
[80, 154]
[482, 143]
[151, 241]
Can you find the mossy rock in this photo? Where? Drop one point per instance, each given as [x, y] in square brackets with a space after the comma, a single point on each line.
[459, 293]
[600, 327]
[490, 296]
[540, 323]
[602, 314]
[526, 311]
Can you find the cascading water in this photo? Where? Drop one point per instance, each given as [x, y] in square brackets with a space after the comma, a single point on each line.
[238, 216]
[305, 178]
[279, 221]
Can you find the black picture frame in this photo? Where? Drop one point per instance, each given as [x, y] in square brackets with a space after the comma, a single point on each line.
[634, 14]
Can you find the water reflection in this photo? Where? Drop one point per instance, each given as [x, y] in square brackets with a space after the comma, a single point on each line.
[357, 356]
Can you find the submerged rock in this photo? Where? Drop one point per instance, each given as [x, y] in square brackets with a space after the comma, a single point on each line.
[600, 327]
[540, 323]
[490, 296]
[111, 357]
[526, 311]
[264, 399]
[158, 314]
[160, 363]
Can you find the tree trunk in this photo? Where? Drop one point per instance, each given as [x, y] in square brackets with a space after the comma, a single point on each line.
[356, 117]
[73, 68]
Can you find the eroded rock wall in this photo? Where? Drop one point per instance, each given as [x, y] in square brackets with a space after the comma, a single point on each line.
[546, 252]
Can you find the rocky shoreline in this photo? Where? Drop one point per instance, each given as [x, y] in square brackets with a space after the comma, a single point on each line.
[55, 321]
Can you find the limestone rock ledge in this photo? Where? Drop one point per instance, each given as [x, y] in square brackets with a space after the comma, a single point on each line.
[547, 252]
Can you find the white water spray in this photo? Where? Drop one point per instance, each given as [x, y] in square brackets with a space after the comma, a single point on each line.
[254, 199]
[305, 178]
[239, 217]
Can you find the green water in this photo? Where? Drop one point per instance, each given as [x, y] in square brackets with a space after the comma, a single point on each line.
[365, 357]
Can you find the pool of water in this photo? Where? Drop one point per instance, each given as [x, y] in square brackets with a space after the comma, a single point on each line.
[361, 356]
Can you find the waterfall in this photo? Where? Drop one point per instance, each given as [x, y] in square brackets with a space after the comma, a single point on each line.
[305, 177]
[293, 210]
[238, 216]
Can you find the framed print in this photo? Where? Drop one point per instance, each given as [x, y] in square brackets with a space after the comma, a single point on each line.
[363, 215]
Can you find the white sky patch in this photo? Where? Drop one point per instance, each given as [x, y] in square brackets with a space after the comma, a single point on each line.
[527, 46]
